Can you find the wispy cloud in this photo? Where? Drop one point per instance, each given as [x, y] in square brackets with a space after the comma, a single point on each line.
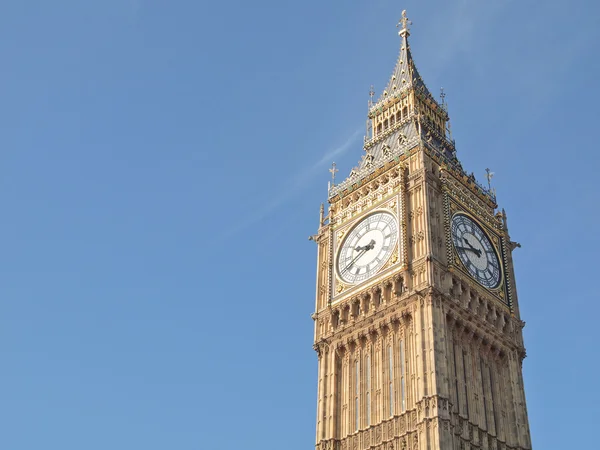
[329, 156]
[297, 183]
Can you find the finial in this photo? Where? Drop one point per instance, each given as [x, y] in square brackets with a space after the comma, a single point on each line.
[322, 215]
[371, 95]
[443, 97]
[445, 108]
[404, 22]
[333, 171]
[489, 175]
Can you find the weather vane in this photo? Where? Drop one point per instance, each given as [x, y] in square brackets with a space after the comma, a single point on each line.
[404, 22]
[489, 175]
[333, 171]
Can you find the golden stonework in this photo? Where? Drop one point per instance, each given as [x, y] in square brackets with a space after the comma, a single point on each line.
[373, 389]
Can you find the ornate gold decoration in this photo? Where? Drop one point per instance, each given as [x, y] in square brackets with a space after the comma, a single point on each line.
[340, 286]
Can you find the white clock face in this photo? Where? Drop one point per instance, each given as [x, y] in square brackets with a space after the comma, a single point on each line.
[475, 251]
[367, 247]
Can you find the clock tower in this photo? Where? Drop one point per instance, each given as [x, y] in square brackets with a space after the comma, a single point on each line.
[417, 325]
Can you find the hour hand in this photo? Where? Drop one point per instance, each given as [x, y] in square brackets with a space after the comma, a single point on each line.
[369, 246]
[470, 249]
[473, 249]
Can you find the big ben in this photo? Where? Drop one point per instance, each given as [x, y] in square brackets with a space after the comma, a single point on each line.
[417, 325]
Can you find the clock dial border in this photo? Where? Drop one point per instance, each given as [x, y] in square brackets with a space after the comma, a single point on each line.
[384, 261]
[493, 229]
[481, 235]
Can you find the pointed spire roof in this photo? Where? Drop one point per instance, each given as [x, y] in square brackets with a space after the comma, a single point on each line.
[405, 116]
[405, 73]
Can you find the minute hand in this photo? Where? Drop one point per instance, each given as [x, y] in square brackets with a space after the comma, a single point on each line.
[362, 252]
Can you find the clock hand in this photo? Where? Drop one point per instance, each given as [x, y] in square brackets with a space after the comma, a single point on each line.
[474, 250]
[467, 242]
[362, 252]
[369, 246]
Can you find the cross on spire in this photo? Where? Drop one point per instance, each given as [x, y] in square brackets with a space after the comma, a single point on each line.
[443, 99]
[333, 171]
[404, 22]
[489, 175]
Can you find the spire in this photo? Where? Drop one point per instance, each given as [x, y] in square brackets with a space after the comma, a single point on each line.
[405, 73]
[405, 116]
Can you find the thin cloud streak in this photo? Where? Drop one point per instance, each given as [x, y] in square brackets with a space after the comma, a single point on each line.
[328, 157]
[298, 183]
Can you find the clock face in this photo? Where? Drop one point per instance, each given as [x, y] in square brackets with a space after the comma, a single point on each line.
[475, 251]
[367, 247]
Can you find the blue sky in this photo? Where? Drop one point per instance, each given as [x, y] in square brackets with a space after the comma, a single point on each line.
[162, 165]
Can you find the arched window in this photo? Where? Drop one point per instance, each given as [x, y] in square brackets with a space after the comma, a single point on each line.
[391, 379]
[402, 377]
[356, 395]
[368, 388]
